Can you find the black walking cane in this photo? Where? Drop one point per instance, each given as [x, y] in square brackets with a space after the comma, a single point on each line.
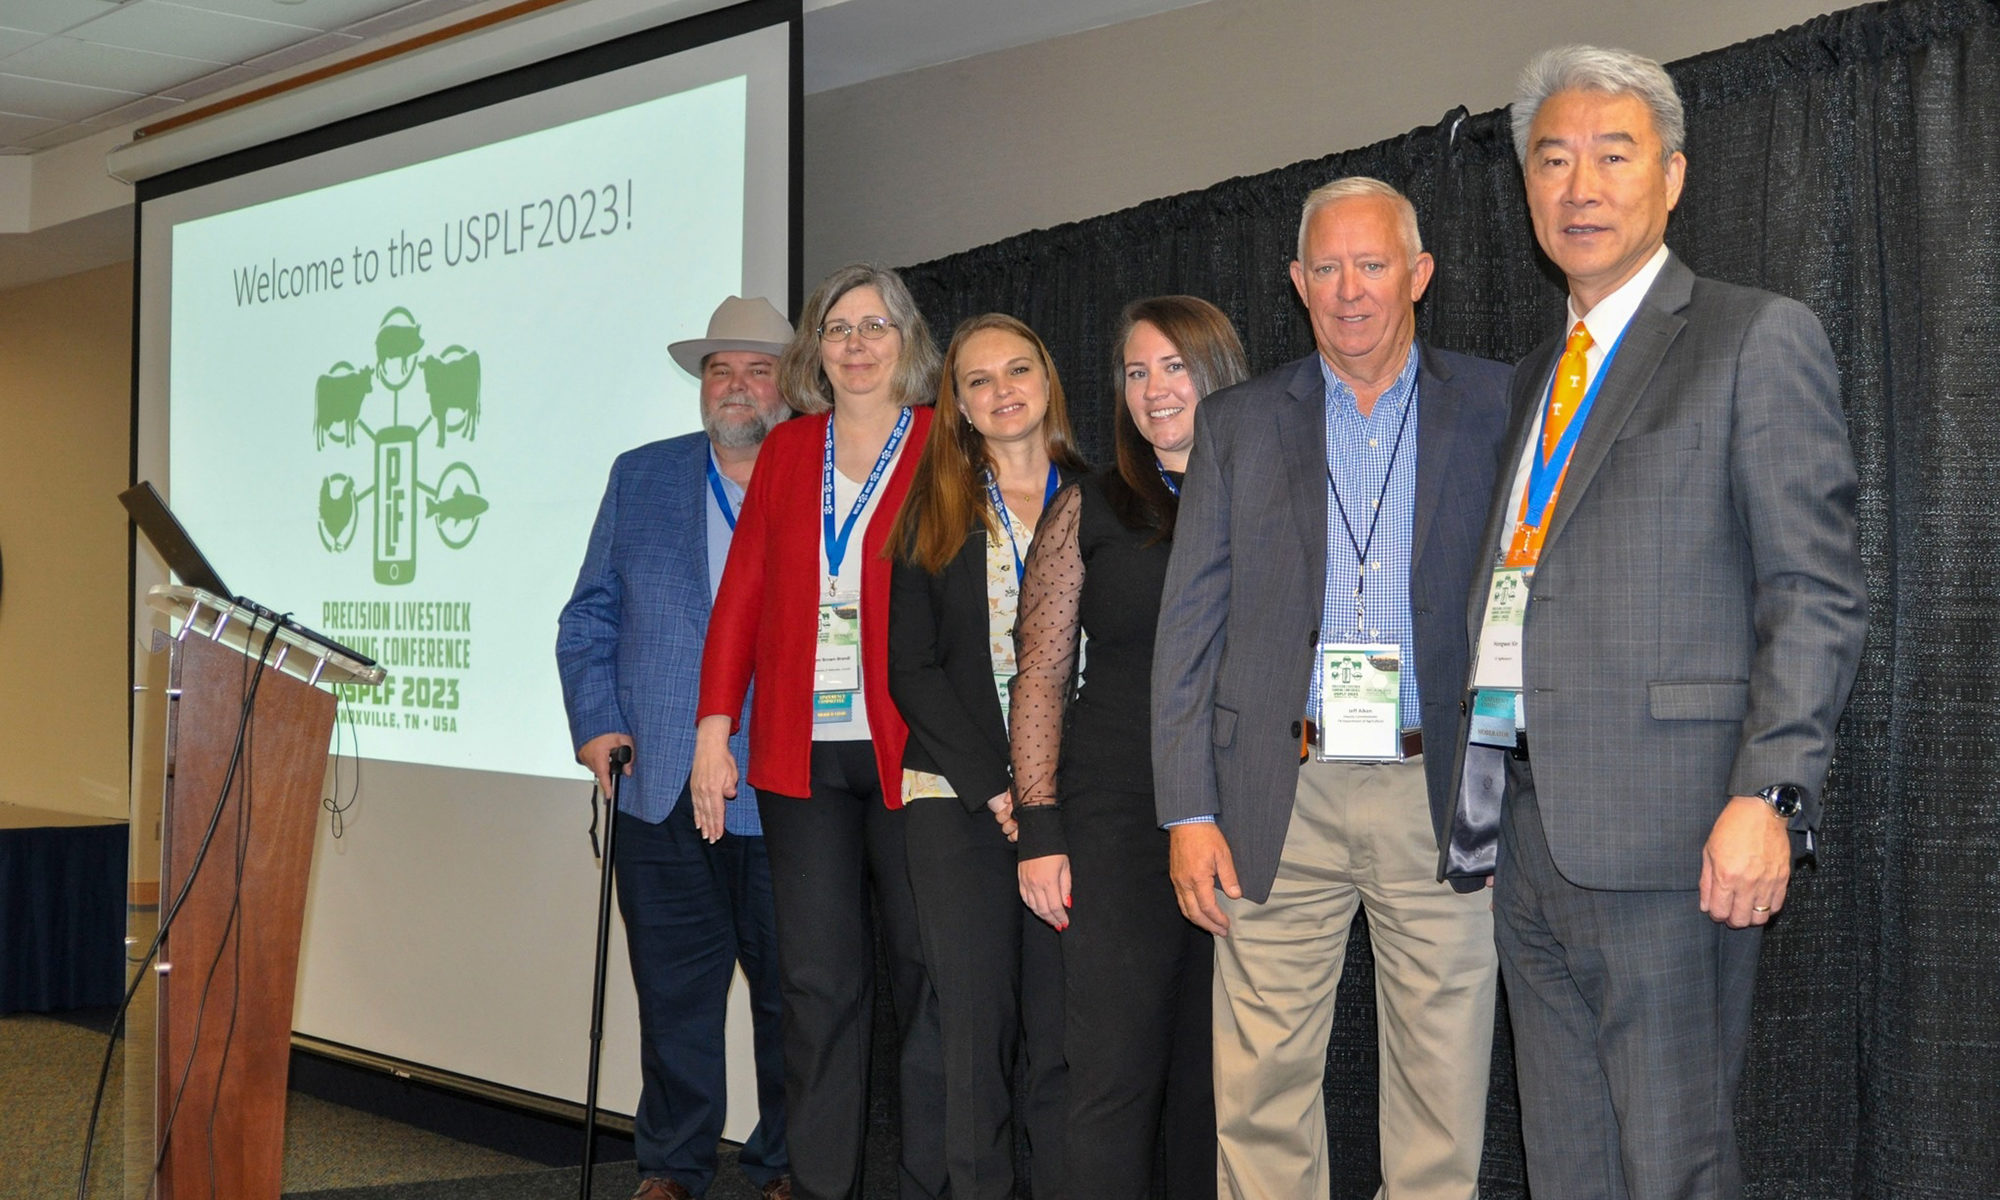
[620, 755]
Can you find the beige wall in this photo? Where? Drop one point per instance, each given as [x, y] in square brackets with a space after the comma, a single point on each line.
[65, 436]
[904, 169]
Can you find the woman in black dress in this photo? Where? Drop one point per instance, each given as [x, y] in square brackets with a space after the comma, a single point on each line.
[1093, 860]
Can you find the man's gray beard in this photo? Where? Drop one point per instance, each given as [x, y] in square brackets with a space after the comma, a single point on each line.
[739, 436]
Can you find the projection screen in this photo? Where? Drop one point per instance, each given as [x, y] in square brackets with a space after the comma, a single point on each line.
[383, 368]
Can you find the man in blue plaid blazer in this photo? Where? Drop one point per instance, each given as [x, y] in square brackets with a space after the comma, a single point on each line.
[694, 886]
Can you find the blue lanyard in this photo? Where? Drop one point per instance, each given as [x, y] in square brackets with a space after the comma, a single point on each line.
[836, 543]
[1543, 476]
[1362, 547]
[1167, 479]
[721, 496]
[1000, 510]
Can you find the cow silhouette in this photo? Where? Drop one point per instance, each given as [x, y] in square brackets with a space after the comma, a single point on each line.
[452, 381]
[337, 403]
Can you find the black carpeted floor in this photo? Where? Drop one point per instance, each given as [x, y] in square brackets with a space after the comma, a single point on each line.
[402, 1149]
[48, 1067]
[613, 1181]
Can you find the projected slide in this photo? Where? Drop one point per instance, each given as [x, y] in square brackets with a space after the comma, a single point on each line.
[383, 393]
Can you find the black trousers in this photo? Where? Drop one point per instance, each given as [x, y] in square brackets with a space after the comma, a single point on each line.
[976, 935]
[1137, 1038]
[830, 854]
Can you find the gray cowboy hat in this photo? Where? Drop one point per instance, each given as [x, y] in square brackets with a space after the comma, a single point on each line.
[738, 324]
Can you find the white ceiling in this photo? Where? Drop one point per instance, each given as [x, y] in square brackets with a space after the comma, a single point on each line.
[73, 68]
[77, 75]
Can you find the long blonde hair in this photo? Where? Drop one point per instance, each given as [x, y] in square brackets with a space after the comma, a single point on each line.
[948, 492]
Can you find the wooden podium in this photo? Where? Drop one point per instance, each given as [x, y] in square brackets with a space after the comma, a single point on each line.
[243, 778]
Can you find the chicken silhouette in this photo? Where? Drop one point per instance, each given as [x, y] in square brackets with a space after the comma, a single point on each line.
[336, 507]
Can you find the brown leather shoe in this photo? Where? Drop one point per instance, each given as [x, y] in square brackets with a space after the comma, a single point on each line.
[778, 1189]
[659, 1187]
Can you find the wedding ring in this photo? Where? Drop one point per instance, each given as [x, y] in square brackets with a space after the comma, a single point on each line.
[1760, 908]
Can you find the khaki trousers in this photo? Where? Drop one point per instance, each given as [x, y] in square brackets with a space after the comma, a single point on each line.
[1360, 835]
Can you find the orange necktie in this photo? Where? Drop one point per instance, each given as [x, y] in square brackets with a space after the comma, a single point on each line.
[1565, 397]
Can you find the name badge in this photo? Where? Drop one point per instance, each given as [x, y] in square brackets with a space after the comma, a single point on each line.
[1494, 717]
[1499, 662]
[837, 660]
[833, 708]
[1360, 692]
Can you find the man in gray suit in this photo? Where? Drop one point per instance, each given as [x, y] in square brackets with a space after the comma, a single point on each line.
[1665, 625]
[1310, 644]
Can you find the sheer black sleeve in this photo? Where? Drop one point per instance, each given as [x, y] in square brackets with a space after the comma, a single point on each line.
[1045, 643]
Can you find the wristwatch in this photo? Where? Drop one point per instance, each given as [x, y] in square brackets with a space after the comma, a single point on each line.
[1788, 800]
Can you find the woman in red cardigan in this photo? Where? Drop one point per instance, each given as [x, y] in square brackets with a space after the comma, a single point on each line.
[804, 611]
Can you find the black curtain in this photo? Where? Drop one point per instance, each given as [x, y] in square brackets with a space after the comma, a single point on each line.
[1851, 162]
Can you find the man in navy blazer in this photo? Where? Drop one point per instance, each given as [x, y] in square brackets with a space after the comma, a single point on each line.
[1331, 512]
[694, 886]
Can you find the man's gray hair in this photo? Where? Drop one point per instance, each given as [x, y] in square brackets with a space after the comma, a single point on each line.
[1594, 69]
[1358, 187]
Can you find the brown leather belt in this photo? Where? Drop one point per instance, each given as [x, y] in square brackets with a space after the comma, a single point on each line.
[1413, 740]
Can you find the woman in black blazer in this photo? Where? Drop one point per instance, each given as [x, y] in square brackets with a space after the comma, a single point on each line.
[1000, 447]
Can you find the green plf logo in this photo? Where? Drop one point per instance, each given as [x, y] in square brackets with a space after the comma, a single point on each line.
[397, 498]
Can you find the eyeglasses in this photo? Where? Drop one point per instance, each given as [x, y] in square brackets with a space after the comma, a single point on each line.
[872, 328]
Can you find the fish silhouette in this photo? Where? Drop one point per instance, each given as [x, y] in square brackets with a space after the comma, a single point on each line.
[462, 506]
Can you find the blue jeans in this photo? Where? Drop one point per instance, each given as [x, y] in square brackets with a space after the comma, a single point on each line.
[693, 911]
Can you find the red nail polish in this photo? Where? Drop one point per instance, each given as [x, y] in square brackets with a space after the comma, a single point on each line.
[1068, 903]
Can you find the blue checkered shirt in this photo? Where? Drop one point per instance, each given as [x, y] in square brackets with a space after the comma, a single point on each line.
[1357, 453]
